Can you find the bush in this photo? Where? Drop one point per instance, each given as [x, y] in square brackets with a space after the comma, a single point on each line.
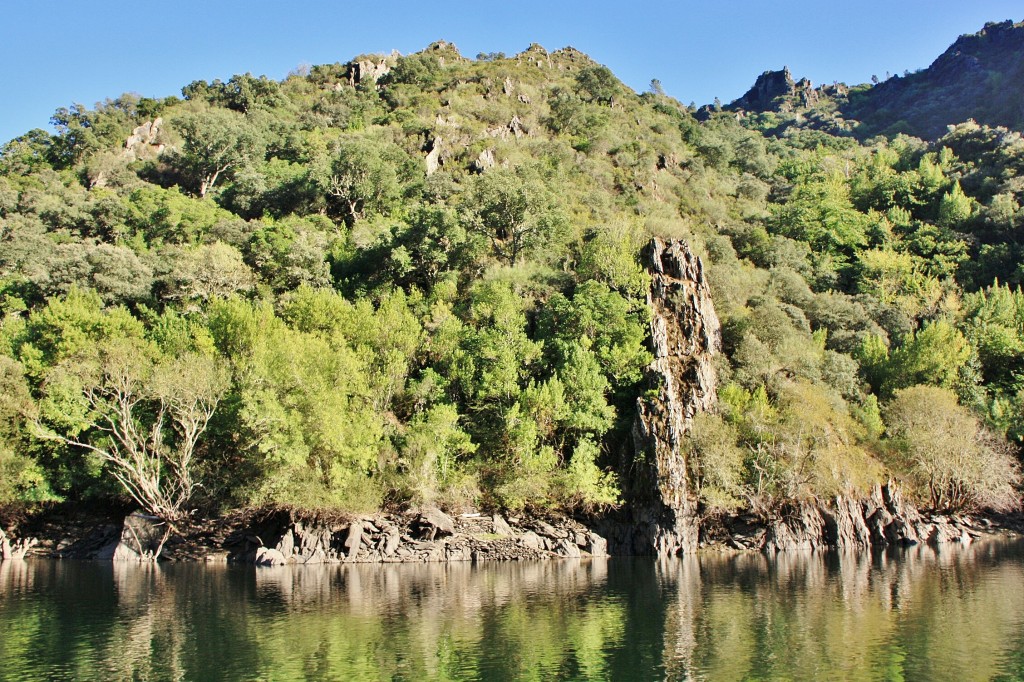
[942, 449]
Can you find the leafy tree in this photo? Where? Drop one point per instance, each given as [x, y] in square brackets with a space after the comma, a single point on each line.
[307, 432]
[22, 479]
[216, 142]
[598, 84]
[716, 463]
[142, 415]
[515, 211]
[946, 454]
[365, 177]
[206, 272]
[936, 354]
[955, 207]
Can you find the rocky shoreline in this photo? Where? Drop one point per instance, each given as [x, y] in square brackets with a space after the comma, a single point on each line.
[272, 537]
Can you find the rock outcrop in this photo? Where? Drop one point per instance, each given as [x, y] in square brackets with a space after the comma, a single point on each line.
[882, 519]
[142, 539]
[685, 335]
[369, 70]
[428, 535]
[11, 549]
[145, 142]
[778, 91]
[970, 80]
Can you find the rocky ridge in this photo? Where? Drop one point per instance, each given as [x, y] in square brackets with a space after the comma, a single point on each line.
[881, 519]
[977, 78]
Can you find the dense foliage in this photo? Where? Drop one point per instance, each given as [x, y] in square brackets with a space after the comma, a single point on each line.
[331, 291]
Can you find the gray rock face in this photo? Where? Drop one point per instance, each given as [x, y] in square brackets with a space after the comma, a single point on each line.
[597, 545]
[767, 89]
[145, 142]
[485, 161]
[11, 549]
[685, 335]
[370, 70]
[883, 519]
[433, 159]
[354, 540]
[142, 539]
[501, 526]
[427, 535]
[268, 556]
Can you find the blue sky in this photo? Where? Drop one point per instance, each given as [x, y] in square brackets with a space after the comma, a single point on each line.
[56, 53]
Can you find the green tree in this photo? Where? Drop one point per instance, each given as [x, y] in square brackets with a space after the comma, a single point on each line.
[514, 210]
[216, 142]
[955, 207]
[936, 354]
[946, 454]
[364, 176]
[142, 414]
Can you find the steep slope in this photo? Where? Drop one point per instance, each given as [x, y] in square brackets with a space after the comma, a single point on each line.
[421, 280]
[980, 77]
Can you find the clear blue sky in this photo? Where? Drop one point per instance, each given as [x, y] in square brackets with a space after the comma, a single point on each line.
[56, 53]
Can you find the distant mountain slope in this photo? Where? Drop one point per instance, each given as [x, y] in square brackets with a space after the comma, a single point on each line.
[980, 77]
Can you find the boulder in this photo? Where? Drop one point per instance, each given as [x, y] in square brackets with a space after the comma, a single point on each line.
[142, 538]
[14, 549]
[354, 540]
[485, 161]
[434, 523]
[568, 548]
[501, 526]
[531, 540]
[268, 556]
[597, 546]
[392, 538]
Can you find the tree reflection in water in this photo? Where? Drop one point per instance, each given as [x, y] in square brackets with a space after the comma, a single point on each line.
[908, 614]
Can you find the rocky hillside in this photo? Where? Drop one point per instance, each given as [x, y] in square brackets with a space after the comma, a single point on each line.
[507, 284]
[978, 78]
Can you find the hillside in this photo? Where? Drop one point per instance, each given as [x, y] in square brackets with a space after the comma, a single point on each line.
[415, 280]
[978, 78]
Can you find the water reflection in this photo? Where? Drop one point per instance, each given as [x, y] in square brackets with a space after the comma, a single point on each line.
[912, 614]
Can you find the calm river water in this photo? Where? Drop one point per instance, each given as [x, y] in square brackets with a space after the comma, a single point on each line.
[916, 614]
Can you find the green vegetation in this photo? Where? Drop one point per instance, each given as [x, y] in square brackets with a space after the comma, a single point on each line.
[339, 293]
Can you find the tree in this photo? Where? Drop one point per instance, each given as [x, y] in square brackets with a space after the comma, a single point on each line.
[208, 271]
[598, 84]
[142, 414]
[955, 207]
[363, 177]
[513, 209]
[935, 354]
[947, 455]
[215, 142]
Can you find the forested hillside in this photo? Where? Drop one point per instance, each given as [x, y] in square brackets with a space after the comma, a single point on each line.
[414, 280]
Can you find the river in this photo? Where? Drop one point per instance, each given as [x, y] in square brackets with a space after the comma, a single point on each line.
[908, 614]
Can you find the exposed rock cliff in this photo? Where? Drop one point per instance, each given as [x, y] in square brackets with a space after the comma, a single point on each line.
[11, 549]
[145, 142]
[428, 535]
[685, 335]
